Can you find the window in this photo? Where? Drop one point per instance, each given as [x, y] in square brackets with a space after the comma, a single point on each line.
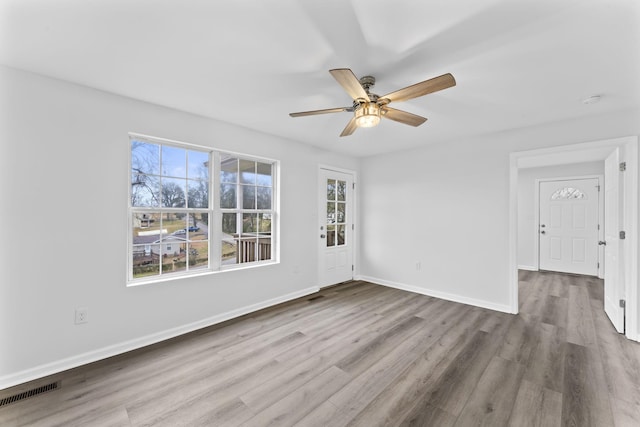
[568, 193]
[246, 201]
[172, 227]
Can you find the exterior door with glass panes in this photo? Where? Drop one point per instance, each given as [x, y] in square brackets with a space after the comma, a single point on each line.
[335, 230]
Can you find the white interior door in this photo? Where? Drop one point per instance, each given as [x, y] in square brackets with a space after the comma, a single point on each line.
[568, 229]
[613, 291]
[335, 231]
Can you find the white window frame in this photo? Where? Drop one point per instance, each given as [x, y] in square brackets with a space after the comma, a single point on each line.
[213, 210]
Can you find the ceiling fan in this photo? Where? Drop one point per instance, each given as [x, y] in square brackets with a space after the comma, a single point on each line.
[368, 107]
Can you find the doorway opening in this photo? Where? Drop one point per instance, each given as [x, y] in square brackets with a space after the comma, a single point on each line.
[626, 263]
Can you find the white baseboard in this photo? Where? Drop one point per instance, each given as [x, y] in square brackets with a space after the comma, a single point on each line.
[438, 294]
[527, 267]
[113, 350]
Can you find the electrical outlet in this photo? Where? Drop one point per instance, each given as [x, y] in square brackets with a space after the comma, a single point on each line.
[418, 265]
[82, 315]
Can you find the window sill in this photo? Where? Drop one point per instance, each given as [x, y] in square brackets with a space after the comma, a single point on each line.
[223, 269]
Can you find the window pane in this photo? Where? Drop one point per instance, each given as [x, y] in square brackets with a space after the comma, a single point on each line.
[340, 231]
[331, 212]
[144, 190]
[247, 249]
[198, 165]
[146, 228]
[227, 196]
[198, 194]
[248, 196]
[264, 197]
[264, 223]
[247, 172]
[264, 248]
[341, 217]
[174, 253]
[174, 162]
[342, 191]
[175, 224]
[145, 158]
[228, 169]
[229, 251]
[249, 223]
[229, 241]
[198, 255]
[173, 192]
[144, 262]
[198, 226]
[229, 224]
[264, 175]
[331, 189]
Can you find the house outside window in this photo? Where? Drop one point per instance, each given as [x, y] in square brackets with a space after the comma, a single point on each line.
[173, 207]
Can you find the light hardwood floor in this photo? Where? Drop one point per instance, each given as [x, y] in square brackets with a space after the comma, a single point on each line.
[364, 355]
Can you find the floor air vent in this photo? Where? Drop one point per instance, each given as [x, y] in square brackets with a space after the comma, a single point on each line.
[29, 393]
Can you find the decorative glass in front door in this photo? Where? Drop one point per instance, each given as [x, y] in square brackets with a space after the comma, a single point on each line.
[336, 212]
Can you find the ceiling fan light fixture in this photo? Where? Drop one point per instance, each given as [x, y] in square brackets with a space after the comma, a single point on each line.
[368, 115]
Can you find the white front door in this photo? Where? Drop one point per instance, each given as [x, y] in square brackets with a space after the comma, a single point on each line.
[568, 229]
[335, 229]
[612, 284]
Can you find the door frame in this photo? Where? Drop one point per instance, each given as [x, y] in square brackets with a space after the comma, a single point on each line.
[536, 216]
[574, 153]
[354, 216]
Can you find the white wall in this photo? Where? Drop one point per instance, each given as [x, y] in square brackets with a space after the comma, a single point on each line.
[63, 180]
[527, 229]
[445, 206]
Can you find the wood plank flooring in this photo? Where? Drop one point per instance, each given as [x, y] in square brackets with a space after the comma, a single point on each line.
[359, 354]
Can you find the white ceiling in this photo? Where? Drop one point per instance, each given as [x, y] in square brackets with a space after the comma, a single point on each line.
[518, 63]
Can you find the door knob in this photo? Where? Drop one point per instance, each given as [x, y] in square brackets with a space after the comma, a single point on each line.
[543, 232]
[322, 236]
[601, 243]
[542, 225]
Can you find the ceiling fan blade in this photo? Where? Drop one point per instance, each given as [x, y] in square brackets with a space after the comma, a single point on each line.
[325, 111]
[350, 128]
[403, 117]
[423, 88]
[349, 83]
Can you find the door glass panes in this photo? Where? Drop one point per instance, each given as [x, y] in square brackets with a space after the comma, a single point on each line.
[340, 213]
[342, 191]
[331, 235]
[568, 193]
[331, 189]
[340, 234]
[331, 212]
[336, 212]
